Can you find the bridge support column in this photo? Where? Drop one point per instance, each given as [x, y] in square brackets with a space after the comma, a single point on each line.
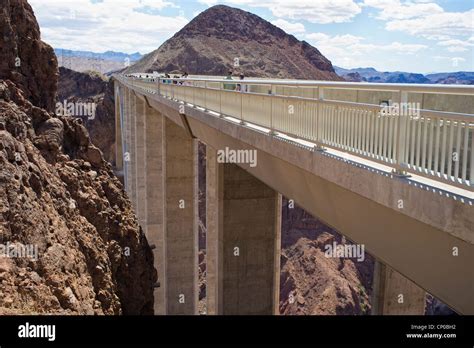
[243, 236]
[161, 181]
[140, 161]
[133, 149]
[214, 240]
[118, 130]
[393, 294]
[127, 141]
[181, 190]
[155, 197]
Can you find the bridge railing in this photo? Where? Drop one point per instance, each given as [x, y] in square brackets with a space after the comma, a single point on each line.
[386, 123]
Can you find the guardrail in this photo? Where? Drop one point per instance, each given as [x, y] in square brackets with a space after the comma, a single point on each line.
[400, 133]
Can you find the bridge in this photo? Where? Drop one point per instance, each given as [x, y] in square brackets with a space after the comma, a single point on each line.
[389, 166]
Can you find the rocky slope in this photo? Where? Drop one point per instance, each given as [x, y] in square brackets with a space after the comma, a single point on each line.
[91, 87]
[222, 37]
[59, 197]
[312, 283]
[24, 58]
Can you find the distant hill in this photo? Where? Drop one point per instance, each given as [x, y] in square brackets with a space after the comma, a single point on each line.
[223, 38]
[104, 63]
[109, 55]
[460, 77]
[372, 75]
[365, 72]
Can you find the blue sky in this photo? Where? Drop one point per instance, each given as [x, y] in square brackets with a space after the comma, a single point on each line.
[408, 35]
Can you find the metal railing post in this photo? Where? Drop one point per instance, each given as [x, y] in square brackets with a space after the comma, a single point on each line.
[319, 121]
[241, 106]
[205, 95]
[272, 125]
[220, 99]
[402, 134]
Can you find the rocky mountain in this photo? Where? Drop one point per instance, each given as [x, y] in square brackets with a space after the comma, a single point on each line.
[77, 87]
[397, 77]
[372, 75]
[71, 240]
[74, 84]
[310, 282]
[353, 77]
[24, 58]
[460, 77]
[366, 72]
[223, 38]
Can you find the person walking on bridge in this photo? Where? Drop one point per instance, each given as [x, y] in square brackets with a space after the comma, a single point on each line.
[185, 76]
[240, 86]
[229, 86]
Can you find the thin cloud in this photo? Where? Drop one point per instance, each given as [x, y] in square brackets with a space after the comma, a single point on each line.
[119, 25]
[314, 11]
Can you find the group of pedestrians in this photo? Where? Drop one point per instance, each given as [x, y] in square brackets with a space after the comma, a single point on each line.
[239, 87]
[167, 79]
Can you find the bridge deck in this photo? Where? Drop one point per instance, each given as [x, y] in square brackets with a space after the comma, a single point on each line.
[426, 130]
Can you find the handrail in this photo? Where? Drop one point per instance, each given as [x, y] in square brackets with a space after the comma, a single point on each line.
[435, 144]
[389, 87]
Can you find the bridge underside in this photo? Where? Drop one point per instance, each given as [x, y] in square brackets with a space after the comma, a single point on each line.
[403, 239]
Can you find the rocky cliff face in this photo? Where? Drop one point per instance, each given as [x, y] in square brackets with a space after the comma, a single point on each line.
[24, 58]
[73, 84]
[312, 283]
[72, 241]
[223, 38]
[79, 87]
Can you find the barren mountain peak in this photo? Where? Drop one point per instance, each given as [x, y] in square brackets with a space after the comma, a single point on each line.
[224, 38]
[230, 23]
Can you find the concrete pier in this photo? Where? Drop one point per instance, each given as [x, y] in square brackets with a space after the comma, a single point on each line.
[181, 220]
[214, 239]
[140, 161]
[393, 294]
[244, 235]
[155, 199]
[127, 140]
[160, 170]
[133, 149]
[118, 129]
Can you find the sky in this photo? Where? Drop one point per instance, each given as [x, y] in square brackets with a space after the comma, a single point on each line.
[390, 35]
